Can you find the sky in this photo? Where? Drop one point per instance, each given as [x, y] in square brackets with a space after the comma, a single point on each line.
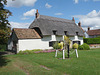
[85, 11]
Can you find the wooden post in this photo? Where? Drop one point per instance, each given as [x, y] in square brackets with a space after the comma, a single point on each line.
[63, 54]
[56, 53]
[68, 50]
[76, 53]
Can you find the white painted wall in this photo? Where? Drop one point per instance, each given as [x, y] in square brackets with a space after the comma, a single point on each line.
[30, 44]
[59, 38]
[76, 38]
[53, 37]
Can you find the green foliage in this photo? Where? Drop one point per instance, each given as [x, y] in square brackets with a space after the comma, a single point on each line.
[2, 47]
[61, 45]
[98, 37]
[75, 45]
[67, 40]
[86, 46]
[4, 29]
[56, 46]
[92, 40]
[80, 47]
[28, 51]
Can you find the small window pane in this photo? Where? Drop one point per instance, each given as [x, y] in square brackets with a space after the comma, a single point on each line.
[65, 32]
[76, 33]
[54, 32]
[78, 42]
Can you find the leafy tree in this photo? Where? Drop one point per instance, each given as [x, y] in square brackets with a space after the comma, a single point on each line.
[75, 46]
[56, 46]
[66, 41]
[4, 23]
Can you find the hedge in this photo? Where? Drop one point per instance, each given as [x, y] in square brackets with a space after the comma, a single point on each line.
[92, 40]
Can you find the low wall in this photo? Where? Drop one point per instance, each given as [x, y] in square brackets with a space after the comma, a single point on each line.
[94, 45]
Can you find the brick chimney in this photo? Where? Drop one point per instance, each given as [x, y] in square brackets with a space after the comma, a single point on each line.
[37, 14]
[73, 19]
[79, 24]
[88, 28]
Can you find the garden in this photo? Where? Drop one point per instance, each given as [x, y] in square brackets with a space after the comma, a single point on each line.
[45, 63]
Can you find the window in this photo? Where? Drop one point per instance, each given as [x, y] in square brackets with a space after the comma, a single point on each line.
[77, 33]
[51, 43]
[78, 42]
[54, 32]
[65, 32]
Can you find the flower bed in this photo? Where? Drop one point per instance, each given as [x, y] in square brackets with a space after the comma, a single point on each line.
[46, 51]
[37, 51]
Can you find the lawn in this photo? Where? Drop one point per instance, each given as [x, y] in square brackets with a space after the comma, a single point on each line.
[88, 63]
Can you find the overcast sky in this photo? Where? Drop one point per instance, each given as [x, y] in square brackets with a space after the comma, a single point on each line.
[85, 11]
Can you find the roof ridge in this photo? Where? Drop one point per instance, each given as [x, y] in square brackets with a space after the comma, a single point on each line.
[52, 18]
[95, 29]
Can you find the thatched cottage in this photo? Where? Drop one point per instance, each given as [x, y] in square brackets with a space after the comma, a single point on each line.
[42, 32]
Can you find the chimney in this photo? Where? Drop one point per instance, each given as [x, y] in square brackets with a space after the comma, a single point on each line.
[88, 28]
[79, 24]
[37, 14]
[73, 19]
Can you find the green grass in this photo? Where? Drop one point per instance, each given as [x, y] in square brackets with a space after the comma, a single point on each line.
[88, 63]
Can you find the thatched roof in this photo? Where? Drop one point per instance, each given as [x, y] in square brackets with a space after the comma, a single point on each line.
[26, 33]
[47, 24]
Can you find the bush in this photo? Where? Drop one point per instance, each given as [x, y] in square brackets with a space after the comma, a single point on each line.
[92, 40]
[56, 46]
[80, 47]
[75, 45]
[2, 47]
[86, 46]
[28, 51]
[61, 45]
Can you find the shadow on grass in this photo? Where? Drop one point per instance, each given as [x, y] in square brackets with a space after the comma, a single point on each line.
[3, 59]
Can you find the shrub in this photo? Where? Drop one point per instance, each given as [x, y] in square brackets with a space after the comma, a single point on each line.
[80, 47]
[29, 51]
[2, 47]
[26, 52]
[61, 45]
[92, 40]
[86, 46]
[56, 46]
[75, 45]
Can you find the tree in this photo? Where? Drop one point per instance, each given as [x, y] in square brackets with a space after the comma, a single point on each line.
[4, 23]
[67, 44]
[66, 41]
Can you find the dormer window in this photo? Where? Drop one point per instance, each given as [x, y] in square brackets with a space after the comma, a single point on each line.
[54, 32]
[65, 32]
[77, 33]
